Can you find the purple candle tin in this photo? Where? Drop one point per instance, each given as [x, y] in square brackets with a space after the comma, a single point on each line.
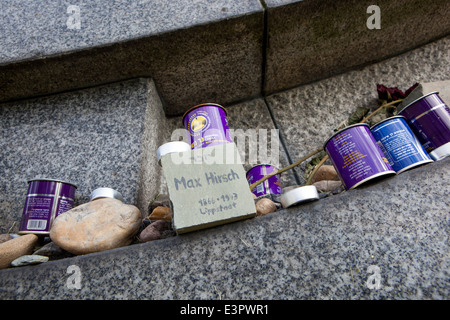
[399, 144]
[429, 118]
[207, 125]
[46, 199]
[268, 187]
[356, 156]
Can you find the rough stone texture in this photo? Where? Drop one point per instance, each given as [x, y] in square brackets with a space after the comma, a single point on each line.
[95, 226]
[308, 114]
[313, 39]
[192, 49]
[327, 249]
[105, 136]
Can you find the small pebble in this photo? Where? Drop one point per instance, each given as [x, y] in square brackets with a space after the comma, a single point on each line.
[28, 260]
[161, 213]
[154, 231]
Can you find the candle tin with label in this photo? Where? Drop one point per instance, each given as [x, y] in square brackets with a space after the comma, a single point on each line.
[429, 118]
[268, 187]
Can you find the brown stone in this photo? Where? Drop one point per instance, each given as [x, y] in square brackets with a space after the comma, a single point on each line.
[98, 225]
[154, 231]
[325, 172]
[15, 248]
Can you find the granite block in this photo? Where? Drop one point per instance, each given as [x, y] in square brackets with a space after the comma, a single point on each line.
[193, 50]
[387, 240]
[314, 39]
[307, 115]
[99, 137]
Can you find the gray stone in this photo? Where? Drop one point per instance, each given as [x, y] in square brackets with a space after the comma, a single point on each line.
[307, 115]
[396, 229]
[191, 49]
[29, 260]
[312, 40]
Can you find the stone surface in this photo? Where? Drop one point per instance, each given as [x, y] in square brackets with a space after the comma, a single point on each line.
[327, 249]
[312, 40]
[161, 213]
[104, 136]
[192, 49]
[28, 260]
[307, 115]
[17, 247]
[99, 225]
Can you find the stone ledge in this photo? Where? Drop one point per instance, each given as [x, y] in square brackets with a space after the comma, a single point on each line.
[105, 136]
[312, 40]
[327, 249]
[191, 50]
[203, 51]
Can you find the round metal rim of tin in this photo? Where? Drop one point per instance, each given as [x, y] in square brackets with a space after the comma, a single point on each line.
[171, 147]
[203, 105]
[106, 193]
[52, 180]
[418, 99]
[342, 130]
[257, 165]
[387, 119]
[372, 177]
[299, 195]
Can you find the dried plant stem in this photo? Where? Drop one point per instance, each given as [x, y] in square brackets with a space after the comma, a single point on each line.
[253, 185]
[380, 108]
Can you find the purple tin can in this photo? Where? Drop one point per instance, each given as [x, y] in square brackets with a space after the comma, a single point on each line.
[46, 199]
[399, 144]
[356, 156]
[207, 125]
[429, 118]
[268, 187]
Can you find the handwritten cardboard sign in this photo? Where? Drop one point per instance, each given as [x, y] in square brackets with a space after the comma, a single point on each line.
[207, 187]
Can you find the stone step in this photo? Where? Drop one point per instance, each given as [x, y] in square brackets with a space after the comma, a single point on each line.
[387, 240]
[107, 135]
[221, 51]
